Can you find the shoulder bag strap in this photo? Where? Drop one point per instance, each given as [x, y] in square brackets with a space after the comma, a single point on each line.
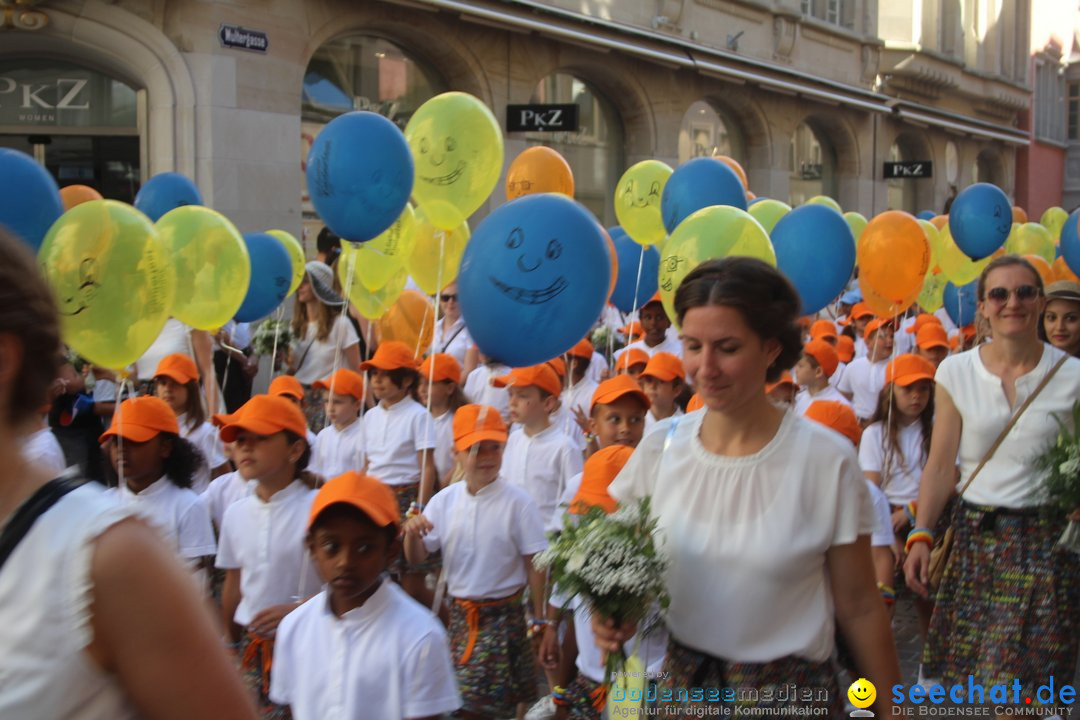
[28, 513]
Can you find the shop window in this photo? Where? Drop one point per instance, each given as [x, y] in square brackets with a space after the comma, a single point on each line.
[813, 164]
[708, 132]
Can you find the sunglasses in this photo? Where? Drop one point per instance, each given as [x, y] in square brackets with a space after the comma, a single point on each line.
[448, 298]
[1024, 293]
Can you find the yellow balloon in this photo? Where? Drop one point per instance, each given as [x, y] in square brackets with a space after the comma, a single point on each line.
[768, 212]
[1031, 239]
[958, 267]
[714, 232]
[637, 201]
[932, 297]
[436, 258]
[1053, 220]
[112, 279]
[370, 304]
[933, 237]
[210, 262]
[381, 258]
[296, 255]
[857, 222]
[824, 200]
[457, 149]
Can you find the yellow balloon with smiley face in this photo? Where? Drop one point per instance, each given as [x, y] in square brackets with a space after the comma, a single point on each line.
[457, 149]
[637, 201]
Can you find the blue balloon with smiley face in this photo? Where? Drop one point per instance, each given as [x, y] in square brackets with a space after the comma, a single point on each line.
[697, 184]
[359, 175]
[534, 279]
[980, 220]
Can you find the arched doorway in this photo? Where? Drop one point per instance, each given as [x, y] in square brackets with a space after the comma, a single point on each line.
[813, 165]
[988, 168]
[708, 131]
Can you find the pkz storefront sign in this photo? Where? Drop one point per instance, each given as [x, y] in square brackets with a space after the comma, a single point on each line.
[909, 169]
[542, 118]
[37, 93]
[234, 36]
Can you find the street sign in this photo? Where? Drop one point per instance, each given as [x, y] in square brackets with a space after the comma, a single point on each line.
[234, 36]
[909, 169]
[542, 118]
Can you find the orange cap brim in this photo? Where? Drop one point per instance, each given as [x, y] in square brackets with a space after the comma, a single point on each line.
[610, 397]
[174, 376]
[479, 436]
[905, 380]
[262, 427]
[130, 431]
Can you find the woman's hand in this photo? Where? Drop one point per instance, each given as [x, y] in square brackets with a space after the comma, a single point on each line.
[917, 569]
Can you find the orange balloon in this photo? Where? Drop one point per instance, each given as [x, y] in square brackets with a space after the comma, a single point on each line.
[1063, 271]
[750, 196]
[939, 221]
[614, 261]
[734, 165]
[1045, 271]
[72, 195]
[893, 255]
[1019, 215]
[539, 169]
[411, 320]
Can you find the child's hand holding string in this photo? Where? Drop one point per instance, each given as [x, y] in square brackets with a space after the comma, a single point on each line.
[417, 526]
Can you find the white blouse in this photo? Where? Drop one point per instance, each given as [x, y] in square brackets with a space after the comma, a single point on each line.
[316, 357]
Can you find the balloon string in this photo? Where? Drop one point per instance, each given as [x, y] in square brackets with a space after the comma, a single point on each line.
[431, 376]
[350, 273]
[277, 333]
[125, 388]
[209, 379]
[637, 289]
[367, 356]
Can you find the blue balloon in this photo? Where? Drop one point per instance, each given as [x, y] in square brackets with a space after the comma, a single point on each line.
[815, 249]
[359, 175]
[699, 183]
[927, 215]
[1070, 242]
[630, 255]
[534, 279]
[271, 273]
[980, 220]
[29, 198]
[164, 192]
[960, 302]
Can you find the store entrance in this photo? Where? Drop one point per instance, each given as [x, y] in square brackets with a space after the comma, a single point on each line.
[107, 163]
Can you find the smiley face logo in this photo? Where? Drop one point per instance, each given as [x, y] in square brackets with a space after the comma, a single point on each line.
[442, 161]
[80, 293]
[862, 693]
[530, 258]
[636, 195]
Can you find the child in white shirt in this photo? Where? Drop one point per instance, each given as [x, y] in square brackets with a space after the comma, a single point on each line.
[865, 376]
[663, 381]
[480, 388]
[440, 391]
[339, 447]
[176, 381]
[577, 397]
[817, 364]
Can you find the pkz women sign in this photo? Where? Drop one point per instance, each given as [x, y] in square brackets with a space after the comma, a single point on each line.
[234, 36]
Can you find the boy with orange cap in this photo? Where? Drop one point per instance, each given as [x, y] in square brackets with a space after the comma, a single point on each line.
[655, 325]
[817, 364]
[932, 343]
[632, 362]
[362, 648]
[289, 387]
[782, 392]
[865, 376]
[440, 393]
[663, 381]
[488, 530]
[339, 447]
[861, 315]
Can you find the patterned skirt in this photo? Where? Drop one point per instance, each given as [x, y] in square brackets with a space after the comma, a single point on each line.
[492, 655]
[697, 682]
[582, 698]
[1009, 601]
[256, 655]
[406, 495]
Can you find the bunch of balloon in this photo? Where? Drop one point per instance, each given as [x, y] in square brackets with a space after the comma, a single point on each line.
[819, 270]
[699, 183]
[980, 220]
[768, 212]
[933, 291]
[436, 255]
[409, 319]
[29, 198]
[738, 169]
[893, 257]
[271, 275]
[1070, 242]
[164, 192]
[958, 267]
[960, 303]
[296, 255]
[933, 237]
[637, 201]
[381, 258]
[72, 195]
[112, 279]
[1031, 239]
[1053, 220]
[372, 304]
[539, 169]
[211, 262]
[633, 288]
[457, 147]
[710, 233]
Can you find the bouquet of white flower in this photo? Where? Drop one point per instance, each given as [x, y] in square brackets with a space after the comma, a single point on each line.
[271, 335]
[1061, 486]
[613, 562]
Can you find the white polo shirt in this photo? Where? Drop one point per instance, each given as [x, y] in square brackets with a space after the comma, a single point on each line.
[265, 542]
[834, 379]
[224, 490]
[42, 449]
[567, 423]
[392, 438]
[388, 659]
[900, 473]
[483, 538]
[803, 398]
[670, 344]
[338, 451]
[541, 464]
[206, 440]
[443, 428]
[597, 367]
[651, 421]
[864, 380]
[176, 513]
[479, 390]
[579, 396]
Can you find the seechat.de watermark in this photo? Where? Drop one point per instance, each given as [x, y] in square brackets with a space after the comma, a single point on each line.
[975, 699]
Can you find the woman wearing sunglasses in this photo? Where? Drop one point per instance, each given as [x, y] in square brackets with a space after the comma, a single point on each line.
[1008, 604]
[451, 335]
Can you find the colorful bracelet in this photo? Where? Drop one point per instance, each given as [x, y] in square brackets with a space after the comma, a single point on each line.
[414, 510]
[558, 696]
[919, 535]
[909, 510]
[888, 593]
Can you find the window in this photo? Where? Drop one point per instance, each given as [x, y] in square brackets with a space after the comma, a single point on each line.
[1074, 111]
[707, 132]
[834, 12]
[813, 165]
[1049, 101]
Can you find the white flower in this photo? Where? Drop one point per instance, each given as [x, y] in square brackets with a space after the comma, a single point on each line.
[576, 562]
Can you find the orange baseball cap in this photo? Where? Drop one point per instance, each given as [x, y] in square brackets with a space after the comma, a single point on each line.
[632, 330]
[664, 367]
[824, 354]
[654, 299]
[859, 310]
[822, 329]
[932, 335]
[908, 369]
[921, 321]
[476, 423]
[631, 357]
[363, 492]
[178, 367]
[139, 419]
[873, 326]
[837, 416]
[541, 376]
[614, 388]
[343, 382]
[441, 366]
[600, 469]
[286, 385]
[583, 349]
[263, 415]
[695, 403]
[391, 355]
[845, 348]
[558, 365]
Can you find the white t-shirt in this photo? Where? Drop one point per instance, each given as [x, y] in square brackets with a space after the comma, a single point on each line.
[45, 596]
[105, 390]
[224, 490]
[443, 428]
[483, 538]
[864, 380]
[900, 475]
[176, 513]
[265, 541]
[338, 451]
[747, 536]
[803, 398]
[175, 337]
[479, 390]
[541, 464]
[883, 534]
[567, 423]
[387, 659]
[318, 355]
[454, 340]
[42, 449]
[597, 367]
[834, 379]
[1008, 479]
[392, 438]
[554, 523]
[651, 421]
[670, 344]
[206, 440]
[860, 348]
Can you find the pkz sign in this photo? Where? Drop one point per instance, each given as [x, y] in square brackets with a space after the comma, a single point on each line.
[909, 169]
[234, 36]
[542, 118]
